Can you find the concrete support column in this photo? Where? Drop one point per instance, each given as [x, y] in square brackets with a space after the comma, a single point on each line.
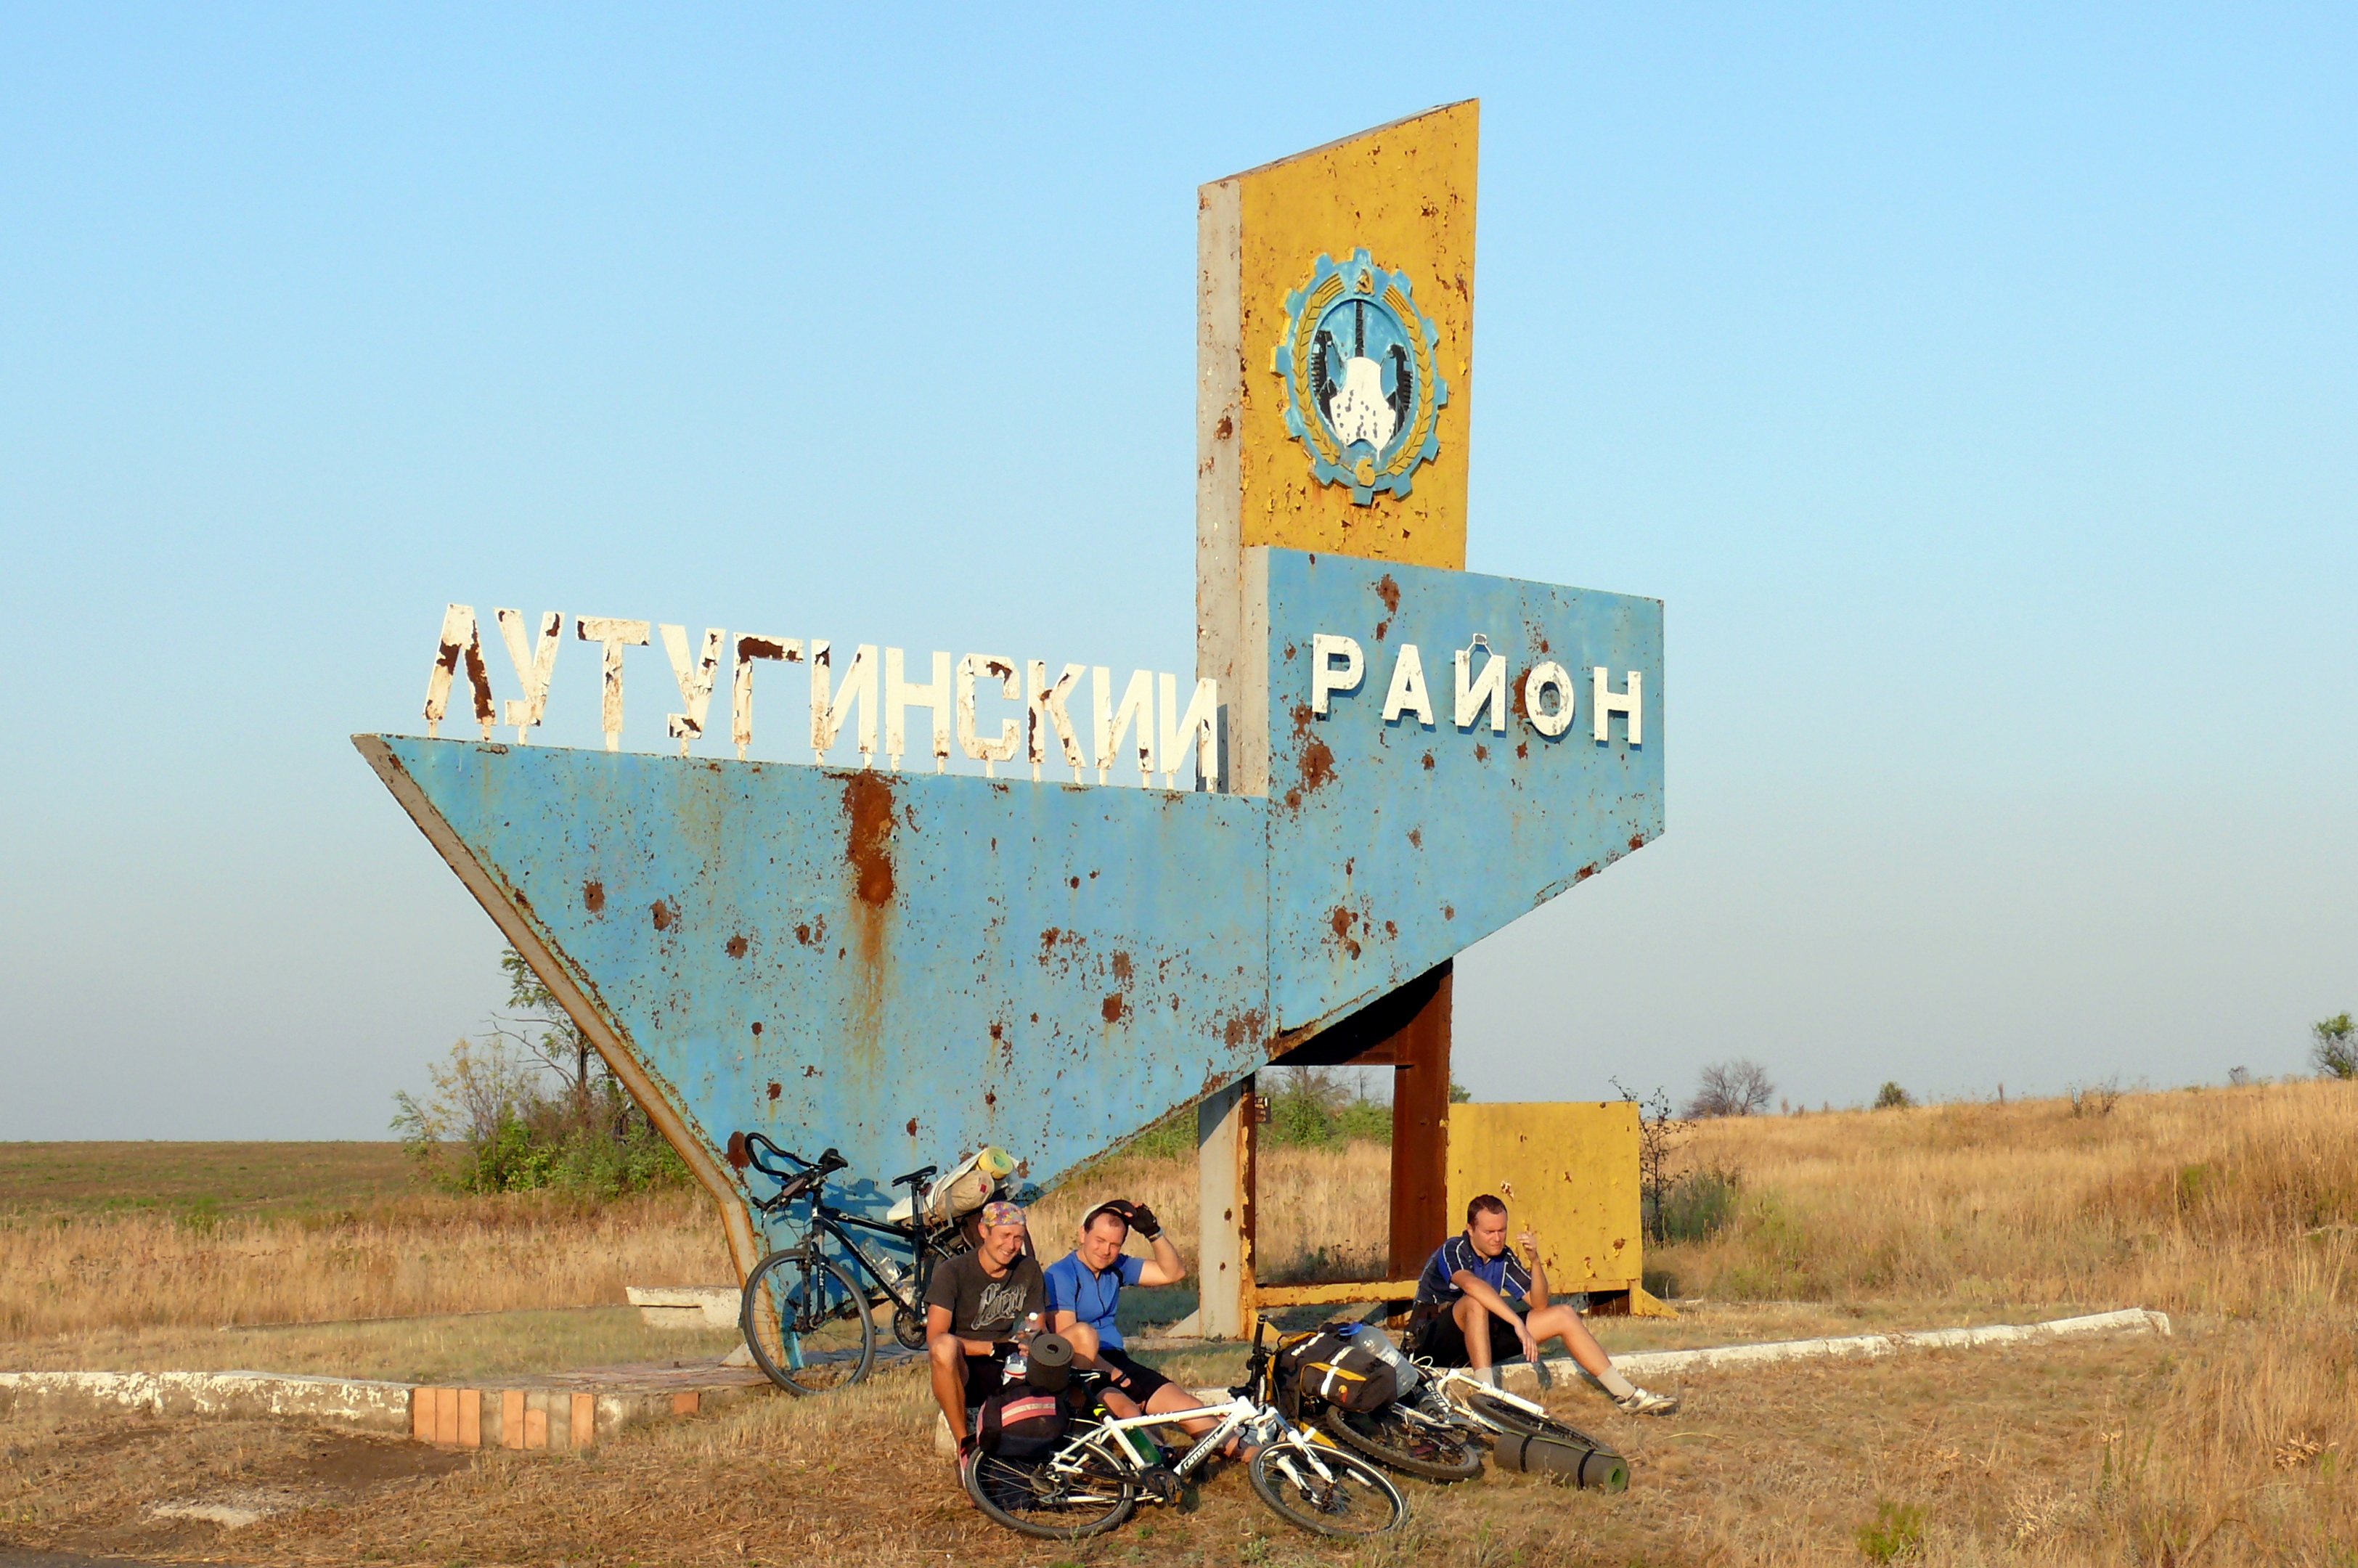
[1224, 1159]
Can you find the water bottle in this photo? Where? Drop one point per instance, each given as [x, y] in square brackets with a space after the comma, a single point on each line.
[1018, 1360]
[888, 1268]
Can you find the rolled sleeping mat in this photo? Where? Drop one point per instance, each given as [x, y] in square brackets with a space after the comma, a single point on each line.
[1584, 1466]
[967, 1188]
[1050, 1362]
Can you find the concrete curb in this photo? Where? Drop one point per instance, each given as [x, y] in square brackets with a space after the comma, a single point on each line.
[570, 1410]
[360, 1402]
[1666, 1363]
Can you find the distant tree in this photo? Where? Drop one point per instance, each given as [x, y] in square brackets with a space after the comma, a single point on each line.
[2333, 1047]
[1458, 1093]
[1891, 1097]
[542, 1028]
[1732, 1088]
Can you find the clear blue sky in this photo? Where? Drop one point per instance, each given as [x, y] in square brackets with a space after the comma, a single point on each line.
[1977, 389]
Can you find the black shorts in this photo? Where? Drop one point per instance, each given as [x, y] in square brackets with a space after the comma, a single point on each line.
[1135, 1378]
[985, 1376]
[1443, 1343]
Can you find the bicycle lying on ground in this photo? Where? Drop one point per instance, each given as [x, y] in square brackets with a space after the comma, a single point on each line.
[1436, 1431]
[808, 1321]
[1097, 1478]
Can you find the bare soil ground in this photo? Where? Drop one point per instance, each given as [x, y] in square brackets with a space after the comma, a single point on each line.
[2006, 1457]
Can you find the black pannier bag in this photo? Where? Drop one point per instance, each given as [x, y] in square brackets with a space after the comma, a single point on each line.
[1023, 1423]
[1349, 1365]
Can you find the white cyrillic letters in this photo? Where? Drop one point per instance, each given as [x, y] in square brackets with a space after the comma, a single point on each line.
[1327, 678]
[461, 639]
[1137, 708]
[1487, 690]
[1200, 724]
[696, 680]
[1548, 675]
[990, 753]
[1045, 710]
[788, 650]
[900, 695]
[614, 635]
[829, 708]
[534, 665]
[1604, 702]
[1407, 693]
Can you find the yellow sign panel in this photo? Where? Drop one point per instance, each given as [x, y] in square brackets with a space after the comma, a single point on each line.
[1337, 288]
[1568, 1172]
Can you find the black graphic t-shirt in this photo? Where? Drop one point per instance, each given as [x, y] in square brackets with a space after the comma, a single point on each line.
[982, 1307]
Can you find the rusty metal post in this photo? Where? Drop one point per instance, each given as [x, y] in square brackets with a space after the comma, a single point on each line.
[1420, 1053]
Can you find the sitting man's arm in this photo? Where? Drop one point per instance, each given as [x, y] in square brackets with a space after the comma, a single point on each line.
[1538, 1294]
[1166, 1267]
[1475, 1286]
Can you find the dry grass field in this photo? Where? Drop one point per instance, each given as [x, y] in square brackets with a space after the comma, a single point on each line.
[2232, 1210]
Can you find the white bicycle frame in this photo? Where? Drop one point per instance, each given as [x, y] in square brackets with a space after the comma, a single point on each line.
[1105, 1439]
[1448, 1381]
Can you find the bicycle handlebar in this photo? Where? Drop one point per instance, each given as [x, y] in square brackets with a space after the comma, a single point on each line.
[791, 1183]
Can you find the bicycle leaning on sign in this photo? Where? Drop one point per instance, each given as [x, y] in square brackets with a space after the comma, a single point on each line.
[809, 1322]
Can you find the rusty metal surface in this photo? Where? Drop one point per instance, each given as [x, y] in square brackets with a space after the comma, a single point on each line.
[901, 965]
[910, 965]
[1396, 845]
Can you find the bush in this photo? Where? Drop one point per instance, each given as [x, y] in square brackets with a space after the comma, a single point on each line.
[490, 1125]
[1695, 1206]
[1897, 1531]
[1321, 1108]
[1891, 1097]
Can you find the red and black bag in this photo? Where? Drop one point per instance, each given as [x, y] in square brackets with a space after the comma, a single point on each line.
[1021, 1424]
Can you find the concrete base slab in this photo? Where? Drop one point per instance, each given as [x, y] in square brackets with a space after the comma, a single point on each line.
[685, 1306]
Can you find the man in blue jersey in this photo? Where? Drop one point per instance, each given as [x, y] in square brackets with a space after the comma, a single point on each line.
[1085, 1290]
[1477, 1303]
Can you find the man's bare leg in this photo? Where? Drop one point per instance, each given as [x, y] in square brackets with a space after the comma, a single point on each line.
[1562, 1323]
[1473, 1321]
[947, 1354]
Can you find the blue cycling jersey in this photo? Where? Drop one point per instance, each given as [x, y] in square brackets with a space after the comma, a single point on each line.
[1089, 1296]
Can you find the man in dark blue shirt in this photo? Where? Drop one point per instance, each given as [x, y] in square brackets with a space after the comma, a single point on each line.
[1480, 1304]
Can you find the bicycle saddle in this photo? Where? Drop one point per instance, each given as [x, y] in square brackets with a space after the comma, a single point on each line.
[916, 1177]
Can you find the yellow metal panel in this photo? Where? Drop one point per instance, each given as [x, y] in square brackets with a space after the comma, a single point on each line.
[1568, 1172]
[1327, 1295]
[1405, 192]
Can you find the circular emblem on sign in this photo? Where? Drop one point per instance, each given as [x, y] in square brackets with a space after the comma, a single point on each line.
[1361, 393]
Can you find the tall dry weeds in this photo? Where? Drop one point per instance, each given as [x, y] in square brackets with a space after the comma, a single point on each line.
[2214, 1200]
[72, 1274]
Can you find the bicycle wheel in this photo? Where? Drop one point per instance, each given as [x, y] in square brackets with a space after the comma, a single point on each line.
[1392, 1436]
[1359, 1501]
[1508, 1416]
[1029, 1499]
[808, 1327]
